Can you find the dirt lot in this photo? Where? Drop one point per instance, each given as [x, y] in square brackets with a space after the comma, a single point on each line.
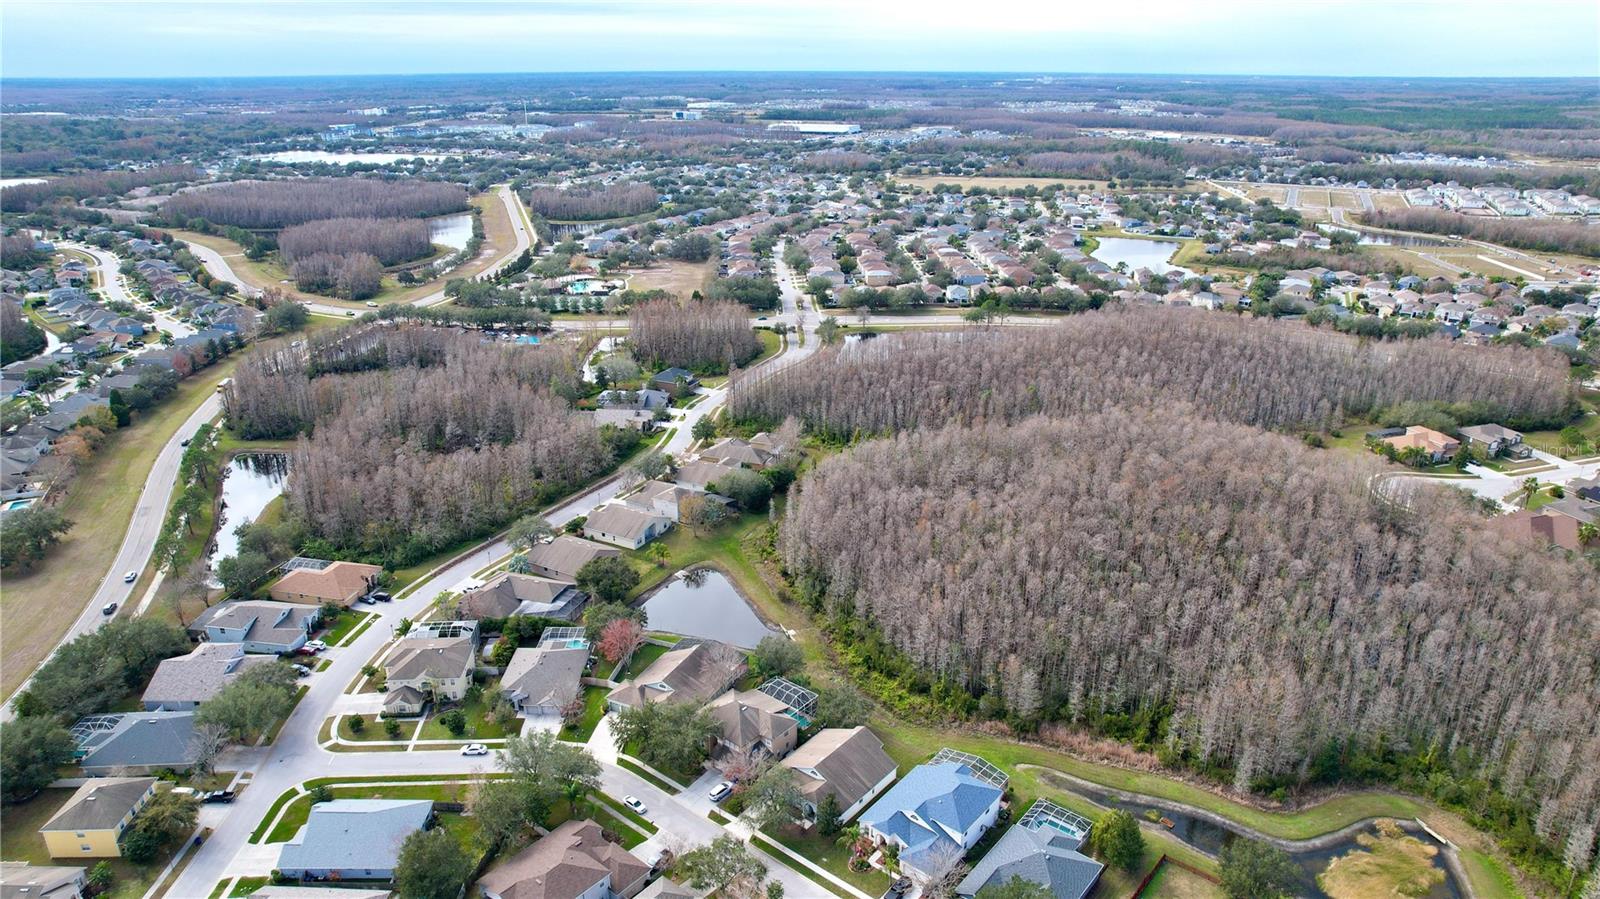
[679, 278]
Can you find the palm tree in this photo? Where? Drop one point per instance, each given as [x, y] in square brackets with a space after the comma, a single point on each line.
[1530, 487]
[1588, 532]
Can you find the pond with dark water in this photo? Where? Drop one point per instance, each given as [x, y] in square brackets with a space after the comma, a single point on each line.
[249, 484]
[704, 603]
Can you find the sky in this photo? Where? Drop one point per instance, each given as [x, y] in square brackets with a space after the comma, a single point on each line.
[197, 38]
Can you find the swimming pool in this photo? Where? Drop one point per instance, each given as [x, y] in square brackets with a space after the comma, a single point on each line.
[16, 504]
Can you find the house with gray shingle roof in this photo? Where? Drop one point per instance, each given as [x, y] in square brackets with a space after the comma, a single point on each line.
[353, 839]
[1042, 848]
[574, 861]
[509, 593]
[135, 742]
[260, 625]
[20, 880]
[544, 679]
[847, 763]
[183, 682]
[91, 821]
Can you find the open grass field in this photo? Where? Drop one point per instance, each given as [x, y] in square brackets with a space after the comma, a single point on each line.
[1343, 199]
[1277, 193]
[498, 237]
[1314, 196]
[997, 182]
[38, 606]
[677, 278]
[19, 834]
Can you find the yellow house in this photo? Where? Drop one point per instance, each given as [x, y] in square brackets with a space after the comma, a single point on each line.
[90, 822]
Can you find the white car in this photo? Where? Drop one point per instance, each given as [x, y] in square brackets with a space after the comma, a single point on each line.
[317, 645]
[721, 791]
[474, 749]
[634, 805]
[130, 577]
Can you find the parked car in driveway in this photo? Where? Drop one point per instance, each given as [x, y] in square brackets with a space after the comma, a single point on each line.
[634, 805]
[474, 749]
[218, 796]
[316, 645]
[721, 791]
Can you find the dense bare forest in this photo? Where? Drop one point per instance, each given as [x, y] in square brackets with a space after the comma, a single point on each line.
[1245, 592]
[278, 204]
[588, 203]
[354, 277]
[390, 240]
[414, 438]
[26, 197]
[1529, 234]
[701, 335]
[1272, 374]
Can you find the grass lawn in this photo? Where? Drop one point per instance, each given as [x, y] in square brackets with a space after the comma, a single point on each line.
[603, 668]
[835, 859]
[99, 503]
[247, 885]
[342, 626]
[642, 657]
[479, 727]
[1173, 882]
[651, 779]
[626, 830]
[372, 729]
[19, 834]
[594, 708]
[766, 846]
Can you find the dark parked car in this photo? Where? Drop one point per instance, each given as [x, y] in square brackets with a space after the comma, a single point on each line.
[218, 796]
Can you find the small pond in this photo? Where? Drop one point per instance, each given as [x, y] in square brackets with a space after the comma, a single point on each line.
[294, 157]
[250, 482]
[1150, 254]
[704, 603]
[451, 231]
[1384, 239]
[1210, 837]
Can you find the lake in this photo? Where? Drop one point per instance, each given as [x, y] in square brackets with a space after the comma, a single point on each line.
[13, 182]
[451, 231]
[1150, 254]
[251, 482]
[704, 604]
[295, 157]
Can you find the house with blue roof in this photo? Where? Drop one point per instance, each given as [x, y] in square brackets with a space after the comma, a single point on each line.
[934, 814]
[353, 839]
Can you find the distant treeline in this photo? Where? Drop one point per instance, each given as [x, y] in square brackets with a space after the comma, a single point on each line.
[590, 203]
[1284, 259]
[279, 204]
[1271, 374]
[391, 240]
[1415, 175]
[416, 438]
[1547, 235]
[27, 197]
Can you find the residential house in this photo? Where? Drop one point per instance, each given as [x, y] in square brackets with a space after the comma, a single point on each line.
[1496, 440]
[261, 625]
[440, 667]
[754, 722]
[543, 680]
[509, 593]
[1043, 848]
[403, 702]
[135, 742]
[562, 557]
[701, 473]
[353, 839]
[340, 583]
[733, 451]
[20, 880]
[183, 682]
[660, 498]
[676, 381]
[624, 525]
[1586, 488]
[296, 891]
[693, 673]
[1544, 526]
[1435, 445]
[93, 818]
[646, 400]
[847, 763]
[574, 861]
[934, 814]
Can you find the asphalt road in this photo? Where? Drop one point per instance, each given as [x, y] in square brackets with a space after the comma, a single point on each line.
[143, 529]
